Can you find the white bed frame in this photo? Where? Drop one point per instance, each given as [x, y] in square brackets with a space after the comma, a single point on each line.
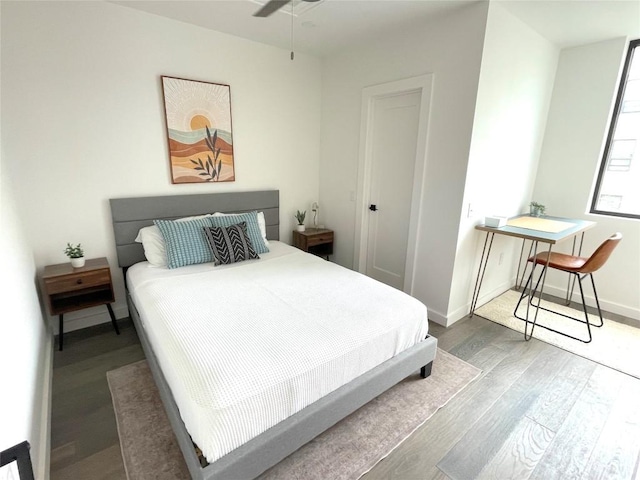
[269, 448]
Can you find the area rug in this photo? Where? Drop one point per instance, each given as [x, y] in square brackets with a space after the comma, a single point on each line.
[346, 451]
[614, 345]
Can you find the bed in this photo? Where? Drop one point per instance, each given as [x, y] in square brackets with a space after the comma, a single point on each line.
[248, 454]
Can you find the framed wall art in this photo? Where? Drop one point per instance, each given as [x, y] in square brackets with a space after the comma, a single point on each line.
[198, 116]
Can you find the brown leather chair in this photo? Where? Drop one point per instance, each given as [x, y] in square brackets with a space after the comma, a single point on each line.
[578, 266]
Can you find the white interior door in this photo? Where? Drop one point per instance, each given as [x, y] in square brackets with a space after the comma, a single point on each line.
[393, 142]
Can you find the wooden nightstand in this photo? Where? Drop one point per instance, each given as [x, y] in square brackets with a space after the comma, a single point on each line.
[68, 289]
[318, 241]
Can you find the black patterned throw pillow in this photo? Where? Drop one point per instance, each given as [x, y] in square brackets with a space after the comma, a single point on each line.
[230, 244]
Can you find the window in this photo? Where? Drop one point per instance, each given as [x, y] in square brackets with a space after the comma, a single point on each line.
[617, 189]
[621, 155]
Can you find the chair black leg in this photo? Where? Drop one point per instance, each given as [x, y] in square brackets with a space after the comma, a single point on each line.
[584, 309]
[538, 305]
[531, 295]
[595, 294]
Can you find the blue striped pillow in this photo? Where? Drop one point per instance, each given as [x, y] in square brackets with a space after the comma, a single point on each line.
[253, 228]
[185, 241]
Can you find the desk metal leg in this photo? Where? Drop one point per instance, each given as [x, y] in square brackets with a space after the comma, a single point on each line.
[534, 247]
[572, 278]
[531, 294]
[481, 269]
[524, 270]
[519, 284]
[544, 278]
[567, 300]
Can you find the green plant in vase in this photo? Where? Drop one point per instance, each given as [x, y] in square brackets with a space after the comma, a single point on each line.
[76, 254]
[300, 216]
[536, 209]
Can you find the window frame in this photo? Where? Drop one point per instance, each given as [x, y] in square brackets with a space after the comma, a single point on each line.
[634, 45]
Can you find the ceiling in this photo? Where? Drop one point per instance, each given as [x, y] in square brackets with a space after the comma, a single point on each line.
[325, 27]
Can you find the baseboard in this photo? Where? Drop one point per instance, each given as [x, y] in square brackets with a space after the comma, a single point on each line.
[437, 317]
[81, 320]
[560, 292]
[624, 310]
[463, 311]
[42, 470]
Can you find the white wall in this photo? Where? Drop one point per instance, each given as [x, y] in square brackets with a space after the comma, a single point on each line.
[26, 343]
[514, 92]
[83, 119]
[583, 98]
[449, 47]
[26, 351]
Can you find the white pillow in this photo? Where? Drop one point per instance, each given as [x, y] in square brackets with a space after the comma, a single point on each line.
[261, 223]
[153, 244]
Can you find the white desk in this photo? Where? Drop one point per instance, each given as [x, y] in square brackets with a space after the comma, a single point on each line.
[545, 229]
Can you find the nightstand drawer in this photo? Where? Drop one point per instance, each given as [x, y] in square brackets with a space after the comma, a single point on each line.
[320, 239]
[70, 283]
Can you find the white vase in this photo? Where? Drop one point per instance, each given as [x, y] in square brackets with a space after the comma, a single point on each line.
[535, 211]
[77, 262]
[300, 228]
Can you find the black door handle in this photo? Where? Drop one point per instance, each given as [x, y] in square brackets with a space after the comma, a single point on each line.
[373, 208]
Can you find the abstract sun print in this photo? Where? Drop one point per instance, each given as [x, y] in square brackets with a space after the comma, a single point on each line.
[198, 118]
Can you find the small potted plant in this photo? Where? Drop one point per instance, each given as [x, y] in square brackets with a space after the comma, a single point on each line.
[300, 218]
[76, 254]
[536, 209]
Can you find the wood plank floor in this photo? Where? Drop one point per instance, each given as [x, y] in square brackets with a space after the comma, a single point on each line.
[84, 436]
[536, 412]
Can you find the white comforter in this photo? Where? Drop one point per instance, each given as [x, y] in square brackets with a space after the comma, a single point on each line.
[245, 346]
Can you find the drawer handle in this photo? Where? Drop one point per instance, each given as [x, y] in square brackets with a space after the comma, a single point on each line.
[79, 281]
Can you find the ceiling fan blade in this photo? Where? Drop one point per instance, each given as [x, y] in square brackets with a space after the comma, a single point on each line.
[270, 7]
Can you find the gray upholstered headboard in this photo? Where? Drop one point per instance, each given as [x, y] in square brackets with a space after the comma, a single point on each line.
[131, 214]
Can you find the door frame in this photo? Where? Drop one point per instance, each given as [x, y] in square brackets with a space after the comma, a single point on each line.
[424, 84]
